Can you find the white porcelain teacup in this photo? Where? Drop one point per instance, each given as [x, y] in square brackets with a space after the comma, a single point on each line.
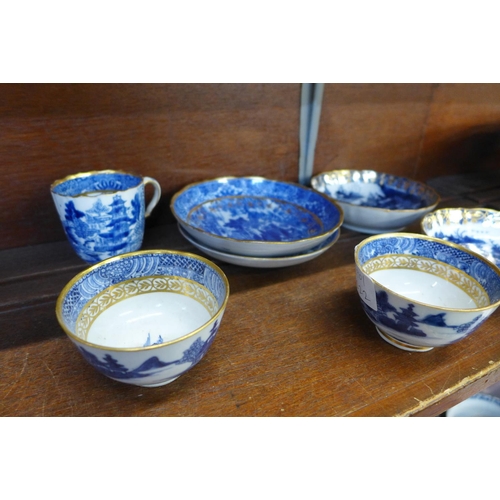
[103, 212]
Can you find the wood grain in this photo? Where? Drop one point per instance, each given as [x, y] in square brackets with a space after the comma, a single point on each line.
[293, 342]
[175, 133]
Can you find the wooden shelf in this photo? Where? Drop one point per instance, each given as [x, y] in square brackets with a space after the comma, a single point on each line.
[293, 342]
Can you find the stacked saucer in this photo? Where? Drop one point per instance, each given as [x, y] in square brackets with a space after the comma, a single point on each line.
[257, 222]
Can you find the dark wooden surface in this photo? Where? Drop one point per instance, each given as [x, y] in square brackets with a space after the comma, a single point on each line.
[182, 133]
[293, 342]
[176, 133]
[419, 130]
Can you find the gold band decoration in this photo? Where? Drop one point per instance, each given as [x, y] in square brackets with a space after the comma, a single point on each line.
[424, 264]
[139, 286]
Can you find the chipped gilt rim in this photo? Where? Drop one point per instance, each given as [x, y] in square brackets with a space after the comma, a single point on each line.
[256, 242]
[385, 210]
[80, 275]
[438, 240]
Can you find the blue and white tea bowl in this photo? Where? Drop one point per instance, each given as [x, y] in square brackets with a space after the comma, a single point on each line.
[477, 229]
[144, 318]
[375, 202]
[421, 292]
[256, 217]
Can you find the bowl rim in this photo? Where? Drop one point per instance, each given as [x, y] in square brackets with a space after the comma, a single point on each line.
[434, 213]
[258, 243]
[92, 268]
[492, 266]
[378, 174]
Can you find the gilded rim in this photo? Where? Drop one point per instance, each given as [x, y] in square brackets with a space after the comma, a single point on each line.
[82, 274]
[95, 172]
[254, 242]
[494, 268]
[385, 210]
[429, 218]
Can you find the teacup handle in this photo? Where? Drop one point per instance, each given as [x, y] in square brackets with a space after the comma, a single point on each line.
[156, 194]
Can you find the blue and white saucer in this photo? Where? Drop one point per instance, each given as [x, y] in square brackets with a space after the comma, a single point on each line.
[477, 229]
[256, 217]
[263, 262]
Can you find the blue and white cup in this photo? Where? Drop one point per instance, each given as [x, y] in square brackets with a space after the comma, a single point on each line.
[103, 212]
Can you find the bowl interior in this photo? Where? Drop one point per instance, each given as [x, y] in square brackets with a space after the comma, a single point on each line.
[430, 272]
[150, 311]
[142, 299]
[439, 285]
[369, 188]
[255, 209]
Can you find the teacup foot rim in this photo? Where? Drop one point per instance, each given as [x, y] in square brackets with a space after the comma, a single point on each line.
[159, 384]
[400, 344]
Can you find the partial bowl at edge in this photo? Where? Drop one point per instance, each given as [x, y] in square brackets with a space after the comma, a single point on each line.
[477, 229]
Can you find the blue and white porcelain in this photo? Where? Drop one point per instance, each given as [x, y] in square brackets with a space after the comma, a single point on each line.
[256, 217]
[264, 262]
[477, 229]
[479, 405]
[421, 292]
[375, 202]
[146, 317]
[103, 212]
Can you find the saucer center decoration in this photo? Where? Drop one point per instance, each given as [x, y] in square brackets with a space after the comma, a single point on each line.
[256, 217]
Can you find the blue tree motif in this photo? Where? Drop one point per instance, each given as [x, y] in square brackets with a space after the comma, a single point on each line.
[136, 207]
[199, 347]
[466, 326]
[407, 320]
[74, 224]
[404, 319]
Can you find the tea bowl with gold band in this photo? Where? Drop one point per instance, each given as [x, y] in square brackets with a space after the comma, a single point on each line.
[255, 216]
[146, 317]
[374, 202]
[422, 292]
